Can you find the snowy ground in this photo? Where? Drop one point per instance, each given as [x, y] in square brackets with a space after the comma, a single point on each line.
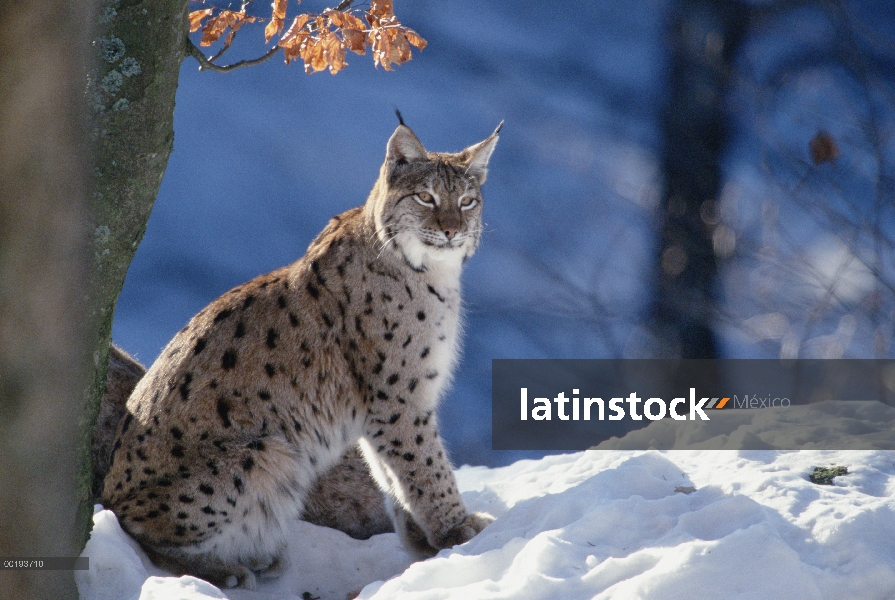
[596, 524]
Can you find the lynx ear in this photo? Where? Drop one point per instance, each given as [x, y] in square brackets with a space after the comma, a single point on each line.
[477, 156]
[403, 147]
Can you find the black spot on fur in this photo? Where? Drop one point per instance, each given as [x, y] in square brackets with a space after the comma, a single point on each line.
[248, 463]
[256, 445]
[381, 395]
[281, 301]
[240, 330]
[264, 395]
[250, 299]
[222, 315]
[177, 451]
[228, 361]
[425, 352]
[224, 411]
[185, 499]
[429, 461]
[200, 345]
[237, 482]
[412, 384]
[393, 379]
[437, 295]
[293, 320]
[272, 336]
[394, 418]
[406, 342]
[206, 489]
[312, 289]
[270, 370]
[176, 433]
[421, 316]
[408, 456]
[185, 385]
[127, 422]
[208, 510]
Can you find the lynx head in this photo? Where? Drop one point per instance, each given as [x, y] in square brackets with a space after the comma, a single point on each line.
[427, 206]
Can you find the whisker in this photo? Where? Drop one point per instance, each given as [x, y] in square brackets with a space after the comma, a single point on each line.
[386, 243]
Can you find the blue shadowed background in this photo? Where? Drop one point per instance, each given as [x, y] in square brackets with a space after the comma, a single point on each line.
[264, 156]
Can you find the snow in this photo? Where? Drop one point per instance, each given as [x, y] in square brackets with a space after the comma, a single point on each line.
[595, 524]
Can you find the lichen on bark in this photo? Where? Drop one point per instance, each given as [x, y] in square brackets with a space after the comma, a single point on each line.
[138, 49]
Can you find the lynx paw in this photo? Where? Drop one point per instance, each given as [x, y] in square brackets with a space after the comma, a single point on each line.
[465, 531]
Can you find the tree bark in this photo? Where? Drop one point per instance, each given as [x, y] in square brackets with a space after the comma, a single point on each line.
[136, 58]
[704, 37]
[44, 198]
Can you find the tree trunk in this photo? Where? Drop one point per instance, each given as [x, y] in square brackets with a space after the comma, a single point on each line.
[704, 37]
[44, 198]
[137, 52]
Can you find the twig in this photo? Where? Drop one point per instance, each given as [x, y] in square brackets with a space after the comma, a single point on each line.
[344, 5]
[205, 63]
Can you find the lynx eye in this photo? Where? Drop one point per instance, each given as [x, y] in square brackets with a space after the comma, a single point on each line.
[425, 198]
[468, 202]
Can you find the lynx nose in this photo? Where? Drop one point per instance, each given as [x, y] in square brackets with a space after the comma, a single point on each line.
[450, 232]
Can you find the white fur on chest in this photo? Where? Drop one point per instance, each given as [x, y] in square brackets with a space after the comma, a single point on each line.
[442, 334]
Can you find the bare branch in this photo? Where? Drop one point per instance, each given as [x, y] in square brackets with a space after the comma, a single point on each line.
[205, 63]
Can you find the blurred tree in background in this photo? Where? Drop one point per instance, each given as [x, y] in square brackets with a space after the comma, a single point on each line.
[809, 274]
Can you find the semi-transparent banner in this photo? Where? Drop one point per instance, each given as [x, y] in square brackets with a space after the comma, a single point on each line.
[693, 404]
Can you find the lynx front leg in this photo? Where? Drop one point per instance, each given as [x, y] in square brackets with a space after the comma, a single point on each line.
[408, 459]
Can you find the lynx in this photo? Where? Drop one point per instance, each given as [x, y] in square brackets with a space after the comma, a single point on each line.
[266, 388]
[345, 498]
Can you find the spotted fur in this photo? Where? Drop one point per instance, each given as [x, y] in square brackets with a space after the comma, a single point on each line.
[267, 387]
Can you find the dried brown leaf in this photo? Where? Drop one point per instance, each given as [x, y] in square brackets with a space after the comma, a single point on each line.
[383, 50]
[196, 18]
[400, 48]
[355, 40]
[823, 148]
[294, 39]
[334, 51]
[217, 26]
[381, 8]
[415, 39]
[277, 17]
[295, 30]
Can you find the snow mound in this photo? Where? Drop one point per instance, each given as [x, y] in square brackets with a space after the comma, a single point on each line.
[596, 524]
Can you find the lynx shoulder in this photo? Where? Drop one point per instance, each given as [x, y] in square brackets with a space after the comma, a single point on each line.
[267, 388]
